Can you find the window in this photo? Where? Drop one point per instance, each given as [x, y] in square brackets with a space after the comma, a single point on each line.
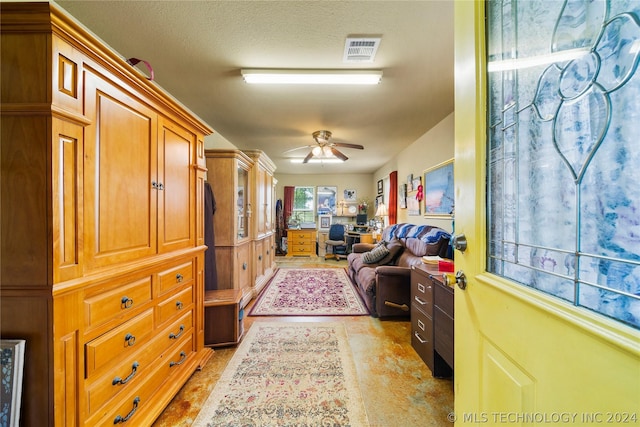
[564, 203]
[303, 204]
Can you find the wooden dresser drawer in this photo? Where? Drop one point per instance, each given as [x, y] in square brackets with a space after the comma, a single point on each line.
[174, 306]
[175, 276]
[104, 306]
[301, 248]
[121, 341]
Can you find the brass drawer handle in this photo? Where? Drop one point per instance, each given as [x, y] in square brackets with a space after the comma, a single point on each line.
[119, 418]
[422, 341]
[179, 277]
[183, 357]
[126, 302]
[130, 340]
[118, 380]
[173, 336]
[179, 305]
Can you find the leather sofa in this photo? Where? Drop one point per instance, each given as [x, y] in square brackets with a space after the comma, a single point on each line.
[385, 286]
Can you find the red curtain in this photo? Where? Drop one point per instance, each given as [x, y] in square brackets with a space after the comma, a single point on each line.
[393, 197]
[288, 205]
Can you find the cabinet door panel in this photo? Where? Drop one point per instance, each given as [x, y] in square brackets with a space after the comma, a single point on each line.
[120, 214]
[176, 215]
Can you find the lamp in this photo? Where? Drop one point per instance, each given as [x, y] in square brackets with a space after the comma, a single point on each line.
[330, 77]
[381, 213]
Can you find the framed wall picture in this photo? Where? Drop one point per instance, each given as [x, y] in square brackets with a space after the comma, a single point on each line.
[326, 199]
[438, 190]
[324, 222]
[417, 181]
[380, 187]
[12, 362]
[349, 195]
[413, 204]
[402, 196]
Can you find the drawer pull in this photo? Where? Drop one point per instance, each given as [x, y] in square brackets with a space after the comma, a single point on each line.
[244, 265]
[118, 380]
[130, 339]
[183, 357]
[259, 257]
[179, 277]
[420, 300]
[420, 324]
[173, 336]
[422, 340]
[119, 419]
[179, 305]
[126, 302]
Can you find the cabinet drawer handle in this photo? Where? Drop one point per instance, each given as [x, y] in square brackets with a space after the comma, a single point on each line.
[118, 380]
[183, 357]
[244, 265]
[420, 300]
[173, 336]
[422, 340]
[160, 186]
[179, 305]
[259, 257]
[179, 277]
[130, 340]
[154, 185]
[119, 419]
[126, 302]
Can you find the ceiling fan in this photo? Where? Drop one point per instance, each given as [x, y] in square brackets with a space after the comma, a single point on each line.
[327, 148]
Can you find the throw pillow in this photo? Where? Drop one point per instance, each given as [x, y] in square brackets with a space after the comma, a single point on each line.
[375, 254]
[395, 248]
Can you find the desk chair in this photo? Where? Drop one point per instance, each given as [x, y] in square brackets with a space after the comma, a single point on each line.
[337, 242]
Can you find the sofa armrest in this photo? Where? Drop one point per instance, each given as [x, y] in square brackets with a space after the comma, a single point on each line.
[393, 291]
[359, 248]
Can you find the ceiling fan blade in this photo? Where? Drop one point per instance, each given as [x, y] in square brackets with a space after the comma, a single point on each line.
[347, 145]
[338, 154]
[309, 156]
[298, 148]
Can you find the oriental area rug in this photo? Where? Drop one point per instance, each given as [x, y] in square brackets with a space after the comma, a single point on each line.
[298, 374]
[309, 292]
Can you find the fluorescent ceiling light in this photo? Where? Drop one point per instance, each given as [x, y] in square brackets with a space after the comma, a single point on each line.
[323, 160]
[310, 77]
[519, 63]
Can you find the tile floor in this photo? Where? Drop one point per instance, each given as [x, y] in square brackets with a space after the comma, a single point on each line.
[397, 387]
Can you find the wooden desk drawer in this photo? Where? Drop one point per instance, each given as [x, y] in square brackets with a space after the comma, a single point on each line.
[175, 276]
[175, 305]
[104, 306]
[123, 340]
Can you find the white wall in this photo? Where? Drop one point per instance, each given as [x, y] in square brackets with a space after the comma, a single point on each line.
[432, 148]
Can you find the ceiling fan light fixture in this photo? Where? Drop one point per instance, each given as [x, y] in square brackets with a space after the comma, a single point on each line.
[326, 150]
[327, 77]
[317, 150]
[319, 160]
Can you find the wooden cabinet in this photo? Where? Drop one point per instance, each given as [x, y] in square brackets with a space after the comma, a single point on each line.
[224, 317]
[432, 320]
[301, 242]
[243, 185]
[102, 230]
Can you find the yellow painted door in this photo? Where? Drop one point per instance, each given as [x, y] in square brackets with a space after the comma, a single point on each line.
[522, 357]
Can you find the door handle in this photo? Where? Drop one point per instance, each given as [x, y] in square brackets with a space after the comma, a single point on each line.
[459, 242]
[460, 278]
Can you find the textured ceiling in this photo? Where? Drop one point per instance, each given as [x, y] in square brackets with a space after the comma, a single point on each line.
[197, 49]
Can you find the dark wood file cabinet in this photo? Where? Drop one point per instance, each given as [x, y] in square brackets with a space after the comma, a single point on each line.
[432, 315]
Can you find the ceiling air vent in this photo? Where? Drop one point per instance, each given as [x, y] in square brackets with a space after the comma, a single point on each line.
[360, 49]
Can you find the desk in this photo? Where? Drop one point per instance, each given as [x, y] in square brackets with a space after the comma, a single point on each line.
[353, 237]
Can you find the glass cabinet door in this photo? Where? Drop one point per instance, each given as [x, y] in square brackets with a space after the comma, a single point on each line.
[242, 203]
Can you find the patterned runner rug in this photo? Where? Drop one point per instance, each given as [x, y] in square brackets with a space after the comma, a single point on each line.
[298, 374]
[309, 292]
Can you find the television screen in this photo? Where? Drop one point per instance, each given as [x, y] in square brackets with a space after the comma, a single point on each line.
[361, 219]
